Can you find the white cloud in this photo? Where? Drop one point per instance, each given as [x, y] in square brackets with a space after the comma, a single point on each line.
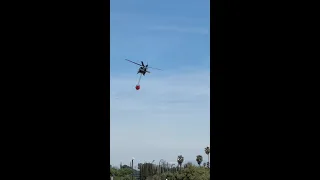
[169, 114]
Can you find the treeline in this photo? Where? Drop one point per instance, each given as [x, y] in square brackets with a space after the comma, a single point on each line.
[163, 171]
[189, 171]
[121, 174]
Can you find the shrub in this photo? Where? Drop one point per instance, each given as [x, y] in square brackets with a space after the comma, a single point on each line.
[189, 173]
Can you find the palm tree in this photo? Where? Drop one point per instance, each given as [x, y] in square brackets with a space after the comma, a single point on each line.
[199, 159]
[207, 151]
[171, 169]
[180, 160]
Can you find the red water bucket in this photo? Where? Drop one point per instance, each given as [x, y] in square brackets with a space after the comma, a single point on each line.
[137, 87]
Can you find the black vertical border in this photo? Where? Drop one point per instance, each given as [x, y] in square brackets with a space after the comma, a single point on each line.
[255, 118]
[62, 125]
[106, 49]
[217, 80]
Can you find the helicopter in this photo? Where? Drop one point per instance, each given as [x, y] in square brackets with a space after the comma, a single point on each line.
[142, 70]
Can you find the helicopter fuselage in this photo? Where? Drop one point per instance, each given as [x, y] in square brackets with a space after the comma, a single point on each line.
[143, 70]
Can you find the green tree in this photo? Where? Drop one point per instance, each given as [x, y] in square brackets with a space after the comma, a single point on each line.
[188, 165]
[123, 172]
[189, 173]
[113, 171]
[180, 160]
[147, 170]
[199, 159]
[207, 151]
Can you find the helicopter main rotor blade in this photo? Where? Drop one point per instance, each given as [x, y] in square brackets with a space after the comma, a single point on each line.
[133, 62]
[155, 68]
[142, 63]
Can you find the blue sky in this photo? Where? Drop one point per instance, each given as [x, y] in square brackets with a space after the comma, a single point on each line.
[170, 113]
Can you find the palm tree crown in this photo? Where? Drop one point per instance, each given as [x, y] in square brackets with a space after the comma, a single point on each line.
[207, 150]
[199, 159]
[180, 160]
